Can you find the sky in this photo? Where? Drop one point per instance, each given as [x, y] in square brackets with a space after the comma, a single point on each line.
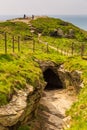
[43, 7]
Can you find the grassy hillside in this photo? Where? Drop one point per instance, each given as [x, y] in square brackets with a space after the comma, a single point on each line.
[19, 69]
[47, 26]
[14, 27]
[78, 111]
[15, 72]
[61, 34]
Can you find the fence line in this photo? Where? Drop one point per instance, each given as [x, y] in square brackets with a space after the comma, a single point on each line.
[5, 43]
[13, 39]
[17, 45]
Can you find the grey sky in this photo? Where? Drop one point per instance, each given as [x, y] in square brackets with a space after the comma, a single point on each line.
[43, 7]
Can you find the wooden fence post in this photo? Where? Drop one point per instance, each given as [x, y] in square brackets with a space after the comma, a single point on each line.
[33, 45]
[18, 43]
[67, 52]
[47, 48]
[62, 52]
[5, 43]
[13, 43]
[82, 49]
[57, 49]
[72, 48]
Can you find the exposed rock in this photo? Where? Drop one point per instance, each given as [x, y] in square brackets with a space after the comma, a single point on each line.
[3, 128]
[57, 33]
[70, 34]
[11, 113]
[51, 113]
[67, 78]
[22, 106]
[50, 121]
[48, 64]
[77, 80]
[60, 32]
[63, 23]
[66, 122]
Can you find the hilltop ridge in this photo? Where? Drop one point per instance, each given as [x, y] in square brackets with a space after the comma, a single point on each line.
[47, 26]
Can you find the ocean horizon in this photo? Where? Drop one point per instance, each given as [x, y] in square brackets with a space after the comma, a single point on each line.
[78, 20]
[8, 17]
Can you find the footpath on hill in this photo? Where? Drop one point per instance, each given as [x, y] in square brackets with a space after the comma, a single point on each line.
[56, 49]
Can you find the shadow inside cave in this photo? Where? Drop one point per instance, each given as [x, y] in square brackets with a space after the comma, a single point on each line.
[52, 79]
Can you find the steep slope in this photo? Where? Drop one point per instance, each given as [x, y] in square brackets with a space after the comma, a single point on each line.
[58, 28]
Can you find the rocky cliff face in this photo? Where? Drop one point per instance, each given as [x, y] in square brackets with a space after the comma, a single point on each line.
[23, 107]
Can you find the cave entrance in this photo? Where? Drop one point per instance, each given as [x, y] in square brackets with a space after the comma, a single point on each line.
[52, 79]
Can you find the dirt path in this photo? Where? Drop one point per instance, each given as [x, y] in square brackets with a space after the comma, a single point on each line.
[53, 106]
[56, 49]
[60, 51]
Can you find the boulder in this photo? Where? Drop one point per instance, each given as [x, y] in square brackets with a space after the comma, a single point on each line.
[21, 108]
[57, 33]
[60, 32]
[70, 34]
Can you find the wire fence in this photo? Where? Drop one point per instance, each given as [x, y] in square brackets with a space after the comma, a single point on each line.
[13, 44]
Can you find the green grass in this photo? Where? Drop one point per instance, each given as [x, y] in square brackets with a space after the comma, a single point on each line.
[65, 44]
[47, 25]
[19, 69]
[14, 27]
[25, 127]
[16, 71]
[78, 111]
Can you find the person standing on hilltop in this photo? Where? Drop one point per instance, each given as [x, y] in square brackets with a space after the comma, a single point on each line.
[24, 16]
[32, 17]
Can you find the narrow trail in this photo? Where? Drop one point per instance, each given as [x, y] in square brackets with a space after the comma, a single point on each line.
[56, 49]
[28, 22]
[60, 51]
[53, 106]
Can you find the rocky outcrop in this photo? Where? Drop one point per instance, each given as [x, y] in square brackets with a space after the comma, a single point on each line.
[60, 33]
[69, 79]
[21, 109]
[57, 33]
[54, 103]
[70, 34]
[23, 106]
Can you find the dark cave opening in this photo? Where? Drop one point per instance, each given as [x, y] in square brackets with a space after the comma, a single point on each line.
[52, 79]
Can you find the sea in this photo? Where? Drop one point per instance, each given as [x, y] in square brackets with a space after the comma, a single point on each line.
[78, 20]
